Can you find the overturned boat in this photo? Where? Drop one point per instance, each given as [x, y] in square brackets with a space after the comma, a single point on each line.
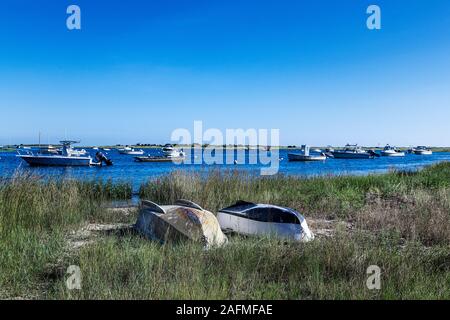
[249, 218]
[185, 220]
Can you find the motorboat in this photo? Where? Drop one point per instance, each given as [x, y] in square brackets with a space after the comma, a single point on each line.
[422, 150]
[150, 158]
[130, 151]
[170, 152]
[79, 152]
[68, 157]
[49, 149]
[305, 155]
[248, 218]
[353, 152]
[182, 221]
[390, 151]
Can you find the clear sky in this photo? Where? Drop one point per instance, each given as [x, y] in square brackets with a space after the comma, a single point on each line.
[137, 70]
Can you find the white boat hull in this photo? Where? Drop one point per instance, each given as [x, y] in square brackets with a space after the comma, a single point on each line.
[245, 226]
[302, 157]
[423, 152]
[40, 160]
[392, 154]
[132, 153]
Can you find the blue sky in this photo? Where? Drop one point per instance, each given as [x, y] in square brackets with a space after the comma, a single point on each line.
[139, 69]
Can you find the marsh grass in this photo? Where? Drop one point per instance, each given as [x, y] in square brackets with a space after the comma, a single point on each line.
[34, 216]
[338, 196]
[264, 268]
[401, 223]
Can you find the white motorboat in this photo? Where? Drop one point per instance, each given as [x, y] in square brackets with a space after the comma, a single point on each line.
[170, 152]
[68, 157]
[422, 150]
[249, 218]
[131, 151]
[305, 155]
[390, 151]
[79, 152]
[353, 152]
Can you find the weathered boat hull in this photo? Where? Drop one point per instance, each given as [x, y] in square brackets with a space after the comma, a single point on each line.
[180, 222]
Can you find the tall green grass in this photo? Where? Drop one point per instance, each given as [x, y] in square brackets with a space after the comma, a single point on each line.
[133, 268]
[401, 222]
[35, 215]
[339, 196]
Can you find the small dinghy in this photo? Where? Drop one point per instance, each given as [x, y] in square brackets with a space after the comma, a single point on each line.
[182, 221]
[249, 218]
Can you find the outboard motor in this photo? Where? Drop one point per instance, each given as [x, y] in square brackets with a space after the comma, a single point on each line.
[100, 157]
[373, 153]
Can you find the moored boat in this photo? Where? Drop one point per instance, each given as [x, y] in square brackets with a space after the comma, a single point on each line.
[305, 155]
[422, 150]
[390, 151]
[130, 151]
[170, 152]
[68, 157]
[158, 159]
[353, 152]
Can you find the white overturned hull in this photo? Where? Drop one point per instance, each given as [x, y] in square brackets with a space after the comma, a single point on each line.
[56, 161]
[247, 226]
[302, 157]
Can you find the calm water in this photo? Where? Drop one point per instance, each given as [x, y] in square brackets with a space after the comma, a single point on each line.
[126, 169]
